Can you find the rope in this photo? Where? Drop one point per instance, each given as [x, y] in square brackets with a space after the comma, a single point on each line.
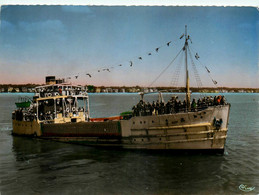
[165, 69]
[177, 72]
[129, 62]
[196, 74]
[208, 71]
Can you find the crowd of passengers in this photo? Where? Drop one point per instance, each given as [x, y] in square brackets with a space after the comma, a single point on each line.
[174, 105]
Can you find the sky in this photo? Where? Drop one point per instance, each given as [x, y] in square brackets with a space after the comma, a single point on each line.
[69, 41]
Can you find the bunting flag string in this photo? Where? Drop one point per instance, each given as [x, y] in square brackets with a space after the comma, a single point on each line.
[197, 56]
[89, 74]
[208, 71]
[196, 73]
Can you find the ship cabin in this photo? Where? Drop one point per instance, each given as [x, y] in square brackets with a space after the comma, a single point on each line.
[56, 103]
[61, 103]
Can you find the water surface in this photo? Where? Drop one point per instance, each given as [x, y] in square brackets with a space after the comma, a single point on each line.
[34, 166]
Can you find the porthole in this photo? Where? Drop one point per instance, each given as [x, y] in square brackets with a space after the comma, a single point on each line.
[140, 122]
[144, 122]
[152, 121]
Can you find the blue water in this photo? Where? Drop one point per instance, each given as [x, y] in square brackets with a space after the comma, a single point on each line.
[34, 166]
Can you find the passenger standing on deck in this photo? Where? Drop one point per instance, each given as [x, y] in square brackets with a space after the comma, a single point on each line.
[194, 105]
[150, 109]
[157, 107]
[168, 107]
[153, 108]
[218, 100]
[60, 91]
[223, 100]
[134, 111]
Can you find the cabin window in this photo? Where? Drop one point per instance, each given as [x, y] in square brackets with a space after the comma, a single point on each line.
[140, 122]
[182, 120]
[144, 122]
[152, 121]
[133, 122]
[194, 116]
[73, 120]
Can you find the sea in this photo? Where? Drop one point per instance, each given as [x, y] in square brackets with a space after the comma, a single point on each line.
[35, 166]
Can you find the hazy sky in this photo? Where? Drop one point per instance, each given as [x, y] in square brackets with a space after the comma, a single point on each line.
[66, 41]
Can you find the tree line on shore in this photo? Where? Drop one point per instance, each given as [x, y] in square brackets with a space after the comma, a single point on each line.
[110, 89]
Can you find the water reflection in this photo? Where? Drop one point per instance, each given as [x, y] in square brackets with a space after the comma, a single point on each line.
[51, 165]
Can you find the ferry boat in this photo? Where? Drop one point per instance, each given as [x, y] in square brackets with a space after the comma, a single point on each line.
[56, 114]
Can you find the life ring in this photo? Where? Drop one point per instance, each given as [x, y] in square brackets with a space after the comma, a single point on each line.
[67, 109]
[73, 109]
[49, 94]
[56, 93]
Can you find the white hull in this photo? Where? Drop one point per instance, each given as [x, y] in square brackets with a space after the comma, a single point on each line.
[180, 131]
[193, 130]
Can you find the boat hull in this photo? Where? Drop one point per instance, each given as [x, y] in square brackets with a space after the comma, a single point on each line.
[180, 131]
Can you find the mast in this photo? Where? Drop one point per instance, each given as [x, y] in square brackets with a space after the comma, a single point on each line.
[187, 97]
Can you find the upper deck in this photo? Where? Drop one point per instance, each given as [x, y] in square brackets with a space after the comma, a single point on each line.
[60, 91]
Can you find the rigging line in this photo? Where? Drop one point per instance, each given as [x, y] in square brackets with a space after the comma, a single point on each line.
[175, 77]
[166, 68]
[196, 73]
[177, 71]
[213, 81]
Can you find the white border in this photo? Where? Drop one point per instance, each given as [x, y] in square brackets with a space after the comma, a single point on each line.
[252, 3]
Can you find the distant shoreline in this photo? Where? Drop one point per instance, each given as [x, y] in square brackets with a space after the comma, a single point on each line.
[29, 88]
[133, 89]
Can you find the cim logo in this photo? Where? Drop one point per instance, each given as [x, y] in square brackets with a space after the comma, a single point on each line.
[246, 188]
